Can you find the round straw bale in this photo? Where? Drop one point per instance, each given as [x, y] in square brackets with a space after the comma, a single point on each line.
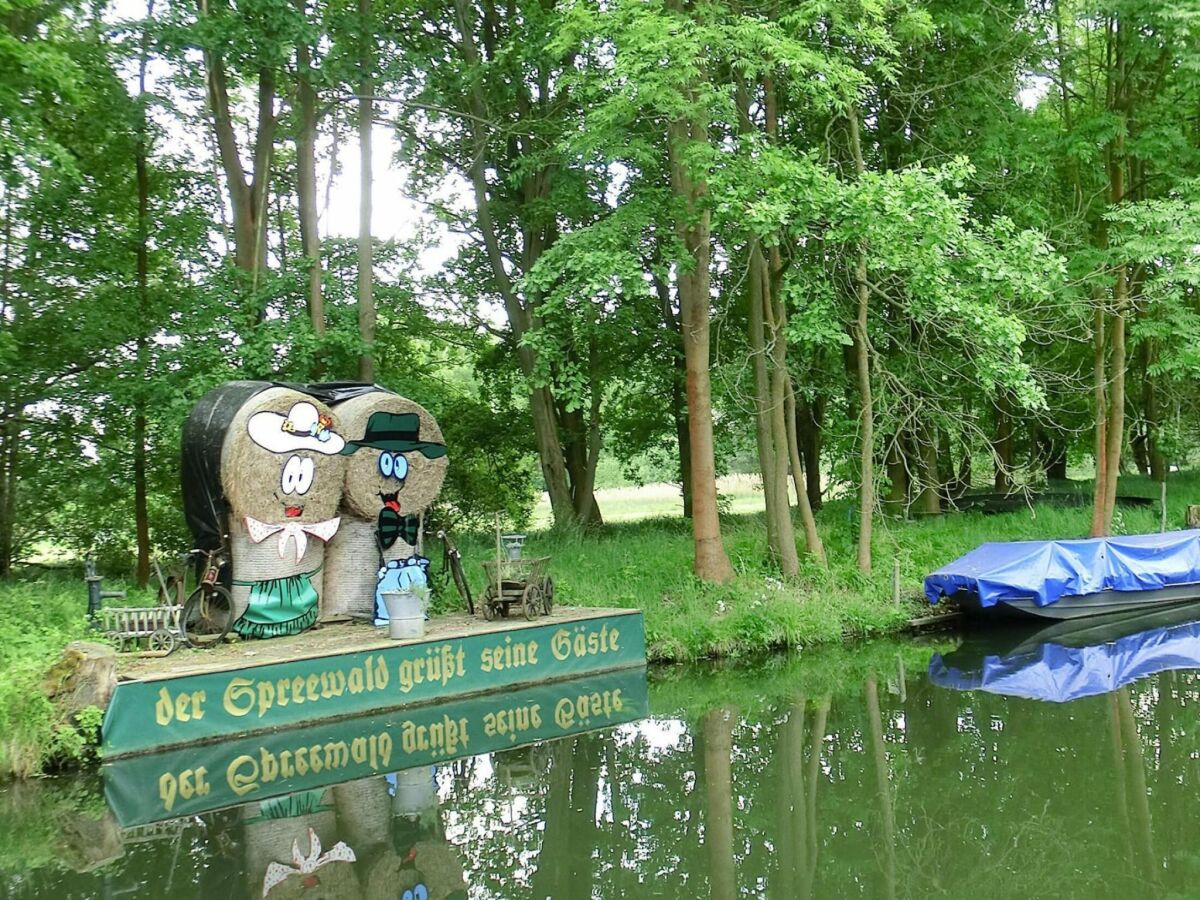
[261, 562]
[352, 569]
[364, 813]
[272, 826]
[277, 459]
[366, 441]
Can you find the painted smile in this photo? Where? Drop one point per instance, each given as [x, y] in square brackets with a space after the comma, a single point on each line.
[293, 512]
[390, 501]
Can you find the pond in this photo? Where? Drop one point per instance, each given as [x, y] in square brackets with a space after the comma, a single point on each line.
[944, 767]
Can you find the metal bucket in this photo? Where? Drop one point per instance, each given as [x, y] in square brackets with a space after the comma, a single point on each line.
[406, 618]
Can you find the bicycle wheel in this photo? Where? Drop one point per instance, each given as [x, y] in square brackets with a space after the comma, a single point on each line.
[207, 616]
[460, 582]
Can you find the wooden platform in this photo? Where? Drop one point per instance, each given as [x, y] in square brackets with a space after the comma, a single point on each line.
[336, 671]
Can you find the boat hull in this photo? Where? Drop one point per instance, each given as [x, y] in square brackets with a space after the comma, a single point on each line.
[1079, 606]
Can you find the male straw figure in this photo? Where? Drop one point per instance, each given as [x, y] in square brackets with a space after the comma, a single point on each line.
[287, 484]
[405, 477]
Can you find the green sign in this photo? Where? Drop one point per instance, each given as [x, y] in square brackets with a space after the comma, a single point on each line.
[148, 715]
[191, 780]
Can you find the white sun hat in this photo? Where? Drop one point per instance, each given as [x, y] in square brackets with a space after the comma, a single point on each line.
[302, 428]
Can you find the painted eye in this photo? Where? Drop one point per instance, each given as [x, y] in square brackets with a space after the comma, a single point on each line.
[290, 478]
[305, 479]
[420, 892]
[386, 463]
[400, 469]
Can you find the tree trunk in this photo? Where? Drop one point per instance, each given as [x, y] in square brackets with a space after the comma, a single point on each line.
[862, 366]
[1099, 524]
[896, 502]
[1105, 497]
[1002, 450]
[306, 184]
[246, 198]
[711, 562]
[718, 789]
[883, 786]
[141, 516]
[541, 400]
[809, 422]
[782, 436]
[366, 116]
[1157, 460]
[10, 433]
[678, 384]
[762, 400]
[812, 538]
[928, 501]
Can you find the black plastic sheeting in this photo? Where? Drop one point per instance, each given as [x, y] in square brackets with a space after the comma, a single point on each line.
[204, 505]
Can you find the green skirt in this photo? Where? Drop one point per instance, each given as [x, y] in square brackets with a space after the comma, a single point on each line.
[279, 606]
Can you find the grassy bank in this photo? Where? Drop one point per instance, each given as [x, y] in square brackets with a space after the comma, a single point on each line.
[640, 564]
[38, 617]
[647, 565]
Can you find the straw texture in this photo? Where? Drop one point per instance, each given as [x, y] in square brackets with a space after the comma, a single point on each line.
[363, 481]
[252, 476]
[352, 570]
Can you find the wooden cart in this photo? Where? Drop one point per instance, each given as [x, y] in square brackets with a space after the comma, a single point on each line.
[518, 582]
[129, 625]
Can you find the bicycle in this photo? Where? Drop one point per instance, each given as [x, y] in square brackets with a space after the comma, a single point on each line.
[208, 613]
[452, 561]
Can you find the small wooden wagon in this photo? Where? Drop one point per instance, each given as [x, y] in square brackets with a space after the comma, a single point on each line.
[129, 625]
[518, 582]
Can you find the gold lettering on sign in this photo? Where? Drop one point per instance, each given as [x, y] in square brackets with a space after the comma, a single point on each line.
[512, 723]
[187, 784]
[248, 773]
[508, 655]
[582, 641]
[437, 666]
[183, 707]
[244, 695]
[443, 738]
[581, 710]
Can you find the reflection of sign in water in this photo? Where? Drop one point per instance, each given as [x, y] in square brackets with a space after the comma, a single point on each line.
[145, 715]
[192, 780]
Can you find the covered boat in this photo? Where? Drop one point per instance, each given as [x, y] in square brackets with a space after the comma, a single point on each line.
[1068, 661]
[1073, 578]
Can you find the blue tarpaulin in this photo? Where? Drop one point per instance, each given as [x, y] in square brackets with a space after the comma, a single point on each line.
[1057, 674]
[1046, 571]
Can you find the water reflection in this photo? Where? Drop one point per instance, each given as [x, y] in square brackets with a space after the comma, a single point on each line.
[849, 773]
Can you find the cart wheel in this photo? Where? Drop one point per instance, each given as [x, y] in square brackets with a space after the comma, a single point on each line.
[121, 643]
[548, 595]
[163, 641]
[489, 610]
[531, 601]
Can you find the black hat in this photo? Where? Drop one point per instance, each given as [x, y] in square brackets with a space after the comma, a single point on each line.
[397, 432]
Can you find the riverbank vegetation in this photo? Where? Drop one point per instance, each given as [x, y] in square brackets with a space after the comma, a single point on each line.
[877, 256]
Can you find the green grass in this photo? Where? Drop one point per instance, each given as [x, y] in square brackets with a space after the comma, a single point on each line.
[647, 565]
[39, 616]
[644, 564]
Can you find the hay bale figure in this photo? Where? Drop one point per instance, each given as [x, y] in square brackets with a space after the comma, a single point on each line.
[282, 471]
[396, 466]
[292, 849]
[263, 464]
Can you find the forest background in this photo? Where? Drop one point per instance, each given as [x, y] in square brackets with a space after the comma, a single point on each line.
[882, 252]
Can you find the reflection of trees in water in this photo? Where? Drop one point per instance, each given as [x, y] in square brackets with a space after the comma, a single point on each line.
[868, 791]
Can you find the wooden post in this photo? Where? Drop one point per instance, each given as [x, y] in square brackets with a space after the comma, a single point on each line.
[1162, 489]
[499, 563]
[1193, 516]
